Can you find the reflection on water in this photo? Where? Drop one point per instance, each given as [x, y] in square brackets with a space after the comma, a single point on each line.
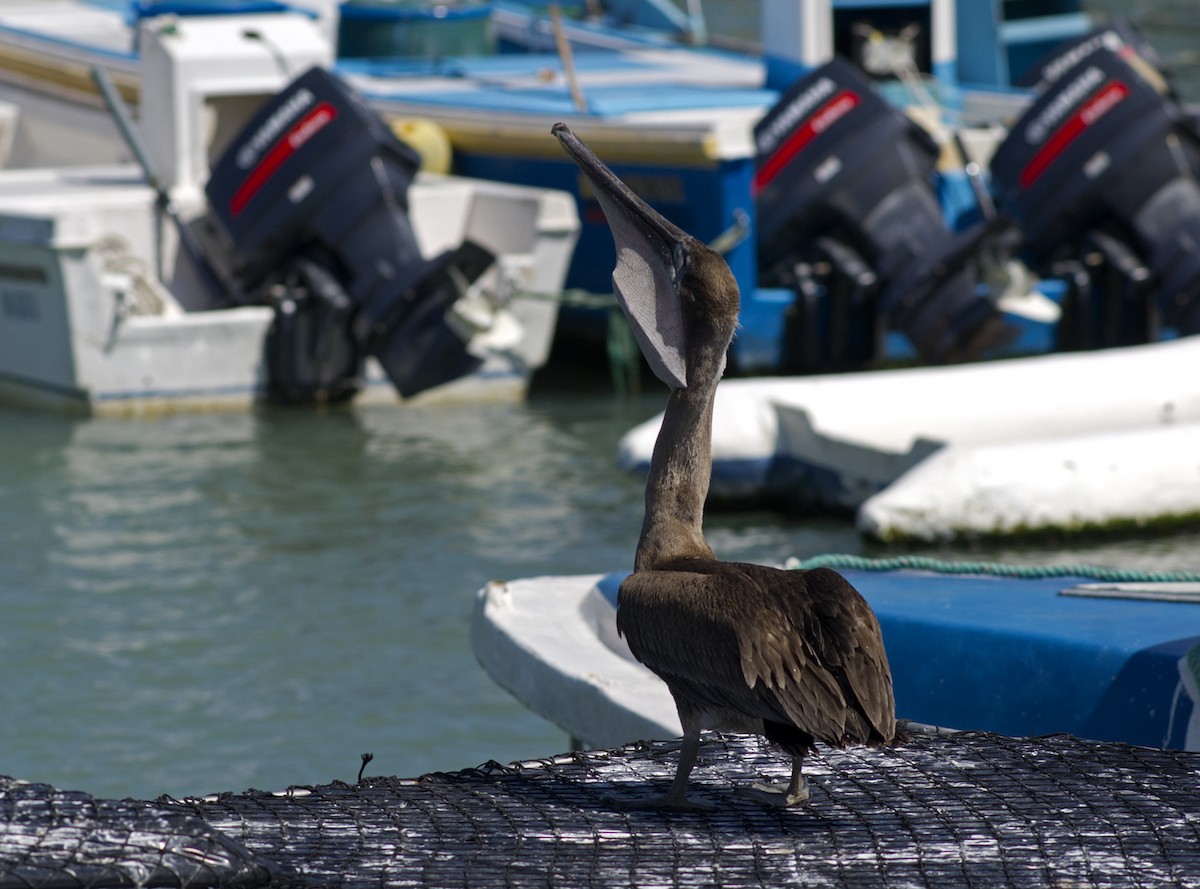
[209, 602]
[204, 602]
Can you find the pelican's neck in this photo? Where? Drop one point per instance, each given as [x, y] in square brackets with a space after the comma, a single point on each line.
[679, 473]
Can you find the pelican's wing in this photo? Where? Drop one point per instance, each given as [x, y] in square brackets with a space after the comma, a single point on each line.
[795, 647]
[669, 621]
[717, 636]
[652, 256]
[836, 637]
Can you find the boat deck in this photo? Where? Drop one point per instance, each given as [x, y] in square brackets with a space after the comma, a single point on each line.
[616, 83]
[71, 25]
[677, 87]
[943, 810]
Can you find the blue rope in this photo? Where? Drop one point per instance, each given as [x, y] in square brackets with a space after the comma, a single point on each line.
[925, 563]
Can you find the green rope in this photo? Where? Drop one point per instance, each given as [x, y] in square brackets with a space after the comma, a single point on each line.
[925, 563]
[574, 297]
[624, 356]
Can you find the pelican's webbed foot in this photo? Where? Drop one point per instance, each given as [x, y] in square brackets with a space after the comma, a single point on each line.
[773, 794]
[769, 794]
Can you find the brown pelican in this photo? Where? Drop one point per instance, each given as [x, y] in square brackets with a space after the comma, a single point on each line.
[794, 655]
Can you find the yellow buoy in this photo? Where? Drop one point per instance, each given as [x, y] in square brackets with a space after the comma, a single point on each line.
[429, 140]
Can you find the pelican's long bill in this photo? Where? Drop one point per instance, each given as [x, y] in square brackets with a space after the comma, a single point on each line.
[652, 257]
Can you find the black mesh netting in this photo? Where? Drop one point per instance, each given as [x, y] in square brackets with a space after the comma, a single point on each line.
[964, 810]
[54, 839]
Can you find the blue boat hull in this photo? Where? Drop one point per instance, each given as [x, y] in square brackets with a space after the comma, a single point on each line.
[1014, 655]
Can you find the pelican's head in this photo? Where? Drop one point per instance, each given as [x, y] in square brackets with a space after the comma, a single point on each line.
[677, 293]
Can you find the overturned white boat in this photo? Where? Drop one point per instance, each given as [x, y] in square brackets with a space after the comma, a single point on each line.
[1120, 481]
[313, 264]
[829, 443]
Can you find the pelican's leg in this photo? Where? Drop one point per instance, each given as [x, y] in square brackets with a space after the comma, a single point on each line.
[676, 796]
[796, 792]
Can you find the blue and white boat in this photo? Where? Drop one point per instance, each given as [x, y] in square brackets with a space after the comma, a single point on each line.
[276, 243]
[679, 124]
[1096, 653]
[822, 196]
[686, 128]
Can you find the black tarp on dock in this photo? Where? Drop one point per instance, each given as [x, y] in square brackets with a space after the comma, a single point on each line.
[968, 809]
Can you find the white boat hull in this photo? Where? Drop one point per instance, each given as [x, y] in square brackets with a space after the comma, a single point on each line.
[830, 442]
[101, 310]
[1126, 480]
[73, 337]
[552, 643]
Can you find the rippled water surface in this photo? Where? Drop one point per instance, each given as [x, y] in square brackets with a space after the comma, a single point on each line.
[211, 601]
[200, 603]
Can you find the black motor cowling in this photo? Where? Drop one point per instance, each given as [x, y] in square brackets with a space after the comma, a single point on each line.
[1100, 175]
[847, 216]
[311, 201]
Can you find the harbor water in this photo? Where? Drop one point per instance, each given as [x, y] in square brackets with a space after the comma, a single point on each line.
[215, 602]
[200, 603]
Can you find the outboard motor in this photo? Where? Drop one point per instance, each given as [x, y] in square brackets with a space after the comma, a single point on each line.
[1100, 175]
[311, 202]
[848, 218]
